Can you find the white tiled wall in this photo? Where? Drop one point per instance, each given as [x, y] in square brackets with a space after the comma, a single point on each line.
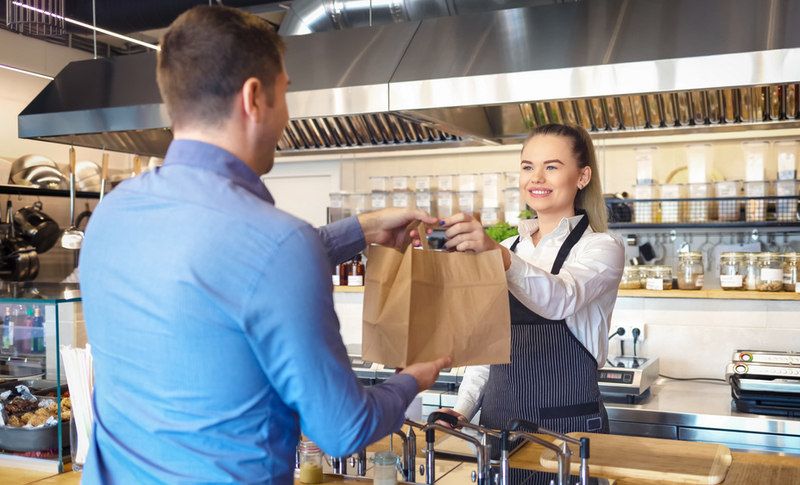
[691, 338]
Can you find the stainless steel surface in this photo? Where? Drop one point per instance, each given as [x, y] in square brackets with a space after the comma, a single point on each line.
[701, 405]
[645, 430]
[743, 441]
[313, 16]
[637, 374]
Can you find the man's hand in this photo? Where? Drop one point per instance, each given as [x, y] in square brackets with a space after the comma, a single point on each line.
[460, 416]
[426, 373]
[387, 227]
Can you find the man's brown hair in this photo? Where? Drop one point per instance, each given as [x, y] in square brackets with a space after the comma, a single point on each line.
[206, 56]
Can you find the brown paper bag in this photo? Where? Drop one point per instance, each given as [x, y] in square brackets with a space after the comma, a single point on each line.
[420, 305]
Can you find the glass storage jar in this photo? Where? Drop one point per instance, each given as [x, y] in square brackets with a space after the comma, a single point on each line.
[732, 271]
[770, 272]
[385, 470]
[630, 278]
[690, 271]
[644, 272]
[790, 271]
[751, 270]
[659, 278]
[310, 462]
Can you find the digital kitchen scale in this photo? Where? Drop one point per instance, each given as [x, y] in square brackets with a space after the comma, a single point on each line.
[627, 376]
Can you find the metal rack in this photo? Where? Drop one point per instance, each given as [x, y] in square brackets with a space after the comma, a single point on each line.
[6, 189]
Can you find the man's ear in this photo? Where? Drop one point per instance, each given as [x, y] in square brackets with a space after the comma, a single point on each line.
[253, 99]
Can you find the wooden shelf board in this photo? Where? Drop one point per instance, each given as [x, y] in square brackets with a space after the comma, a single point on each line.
[710, 294]
[348, 289]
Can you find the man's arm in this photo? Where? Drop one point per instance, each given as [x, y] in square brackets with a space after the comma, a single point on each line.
[344, 239]
[295, 335]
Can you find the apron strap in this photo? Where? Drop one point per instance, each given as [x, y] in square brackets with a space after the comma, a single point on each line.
[570, 242]
[514, 246]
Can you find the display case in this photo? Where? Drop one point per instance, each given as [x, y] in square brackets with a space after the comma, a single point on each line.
[38, 319]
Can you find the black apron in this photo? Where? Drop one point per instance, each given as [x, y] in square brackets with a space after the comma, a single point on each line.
[552, 377]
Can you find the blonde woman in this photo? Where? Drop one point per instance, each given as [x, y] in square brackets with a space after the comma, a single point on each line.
[563, 272]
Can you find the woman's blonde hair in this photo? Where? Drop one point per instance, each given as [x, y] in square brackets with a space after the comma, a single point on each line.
[590, 198]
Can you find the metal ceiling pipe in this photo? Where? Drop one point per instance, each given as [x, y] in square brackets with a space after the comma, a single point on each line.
[313, 16]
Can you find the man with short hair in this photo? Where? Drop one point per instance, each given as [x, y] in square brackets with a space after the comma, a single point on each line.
[210, 311]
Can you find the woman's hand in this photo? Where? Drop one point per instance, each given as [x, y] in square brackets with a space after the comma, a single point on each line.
[460, 417]
[465, 233]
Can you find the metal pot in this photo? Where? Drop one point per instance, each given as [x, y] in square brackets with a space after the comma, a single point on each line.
[37, 171]
[20, 260]
[36, 227]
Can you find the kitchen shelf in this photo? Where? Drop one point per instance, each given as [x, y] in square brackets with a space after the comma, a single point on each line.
[36, 192]
[348, 289]
[700, 225]
[710, 294]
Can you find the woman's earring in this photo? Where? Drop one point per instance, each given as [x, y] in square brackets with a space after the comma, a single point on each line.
[580, 187]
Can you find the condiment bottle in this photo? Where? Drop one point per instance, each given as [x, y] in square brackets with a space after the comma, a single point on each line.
[354, 271]
[310, 462]
[338, 275]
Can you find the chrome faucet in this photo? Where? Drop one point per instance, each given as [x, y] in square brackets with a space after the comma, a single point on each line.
[564, 453]
[484, 475]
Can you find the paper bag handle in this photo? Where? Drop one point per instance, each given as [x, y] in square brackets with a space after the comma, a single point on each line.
[417, 224]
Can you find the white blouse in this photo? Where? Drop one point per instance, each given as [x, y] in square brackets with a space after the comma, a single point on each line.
[583, 293]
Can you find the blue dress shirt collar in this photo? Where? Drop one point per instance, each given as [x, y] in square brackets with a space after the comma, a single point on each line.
[206, 156]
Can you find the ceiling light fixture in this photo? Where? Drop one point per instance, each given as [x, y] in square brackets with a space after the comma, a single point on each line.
[87, 26]
[23, 71]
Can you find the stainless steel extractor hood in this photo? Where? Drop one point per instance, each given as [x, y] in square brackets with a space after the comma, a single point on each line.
[619, 67]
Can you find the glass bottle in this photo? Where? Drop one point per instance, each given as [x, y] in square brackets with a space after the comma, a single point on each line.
[690, 271]
[354, 272]
[751, 270]
[8, 330]
[790, 272]
[770, 272]
[732, 272]
[338, 275]
[38, 331]
[630, 278]
[310, 462]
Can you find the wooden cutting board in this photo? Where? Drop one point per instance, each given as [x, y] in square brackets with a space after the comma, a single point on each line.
[648, 458]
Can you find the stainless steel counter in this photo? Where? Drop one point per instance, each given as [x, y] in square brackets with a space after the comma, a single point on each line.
[702, 411]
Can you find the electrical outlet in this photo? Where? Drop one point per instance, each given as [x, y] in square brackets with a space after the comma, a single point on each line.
[628, 337]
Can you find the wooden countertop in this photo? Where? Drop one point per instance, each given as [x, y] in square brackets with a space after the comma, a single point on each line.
[746, 469]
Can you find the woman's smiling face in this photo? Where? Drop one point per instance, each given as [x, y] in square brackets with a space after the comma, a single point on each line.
[550, 175]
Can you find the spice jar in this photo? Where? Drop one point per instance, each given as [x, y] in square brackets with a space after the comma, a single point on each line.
[790, 271]
[354, 272]
[385, 470]
[644, 272]
[751, 270]
[660, 278]
[630, 278]
[732, 271]
[310, 462]
[690, 271]
[338, 275]
[770, 272]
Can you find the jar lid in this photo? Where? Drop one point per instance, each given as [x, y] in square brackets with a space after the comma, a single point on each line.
[751, 256]
[691, 254]
[661, 268]
[769, 255]
[385, 458]
[308, 445]
[790, 255]
[733, 255]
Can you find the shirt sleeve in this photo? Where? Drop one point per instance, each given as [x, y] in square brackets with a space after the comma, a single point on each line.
[470, 393]
[342, 239]
[295, 335]
[594, 273]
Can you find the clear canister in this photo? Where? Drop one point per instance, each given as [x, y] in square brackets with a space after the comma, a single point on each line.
[490, 216]
[310, 462]
[402, 199]
[468, 203]
[385, 470]
[380, 200]
[468, 181]
[732, 271]
[512, 180]
[444, 200]
[357, 203]
[400, 183]
[751, 270]
[337, 209]
[513, 206]
[426, 201]
[770, 272]
[444, 183]
[630, 278]
[690, 271]
[659, 278]
[379, 184]
[790, 261]
[423, 183]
